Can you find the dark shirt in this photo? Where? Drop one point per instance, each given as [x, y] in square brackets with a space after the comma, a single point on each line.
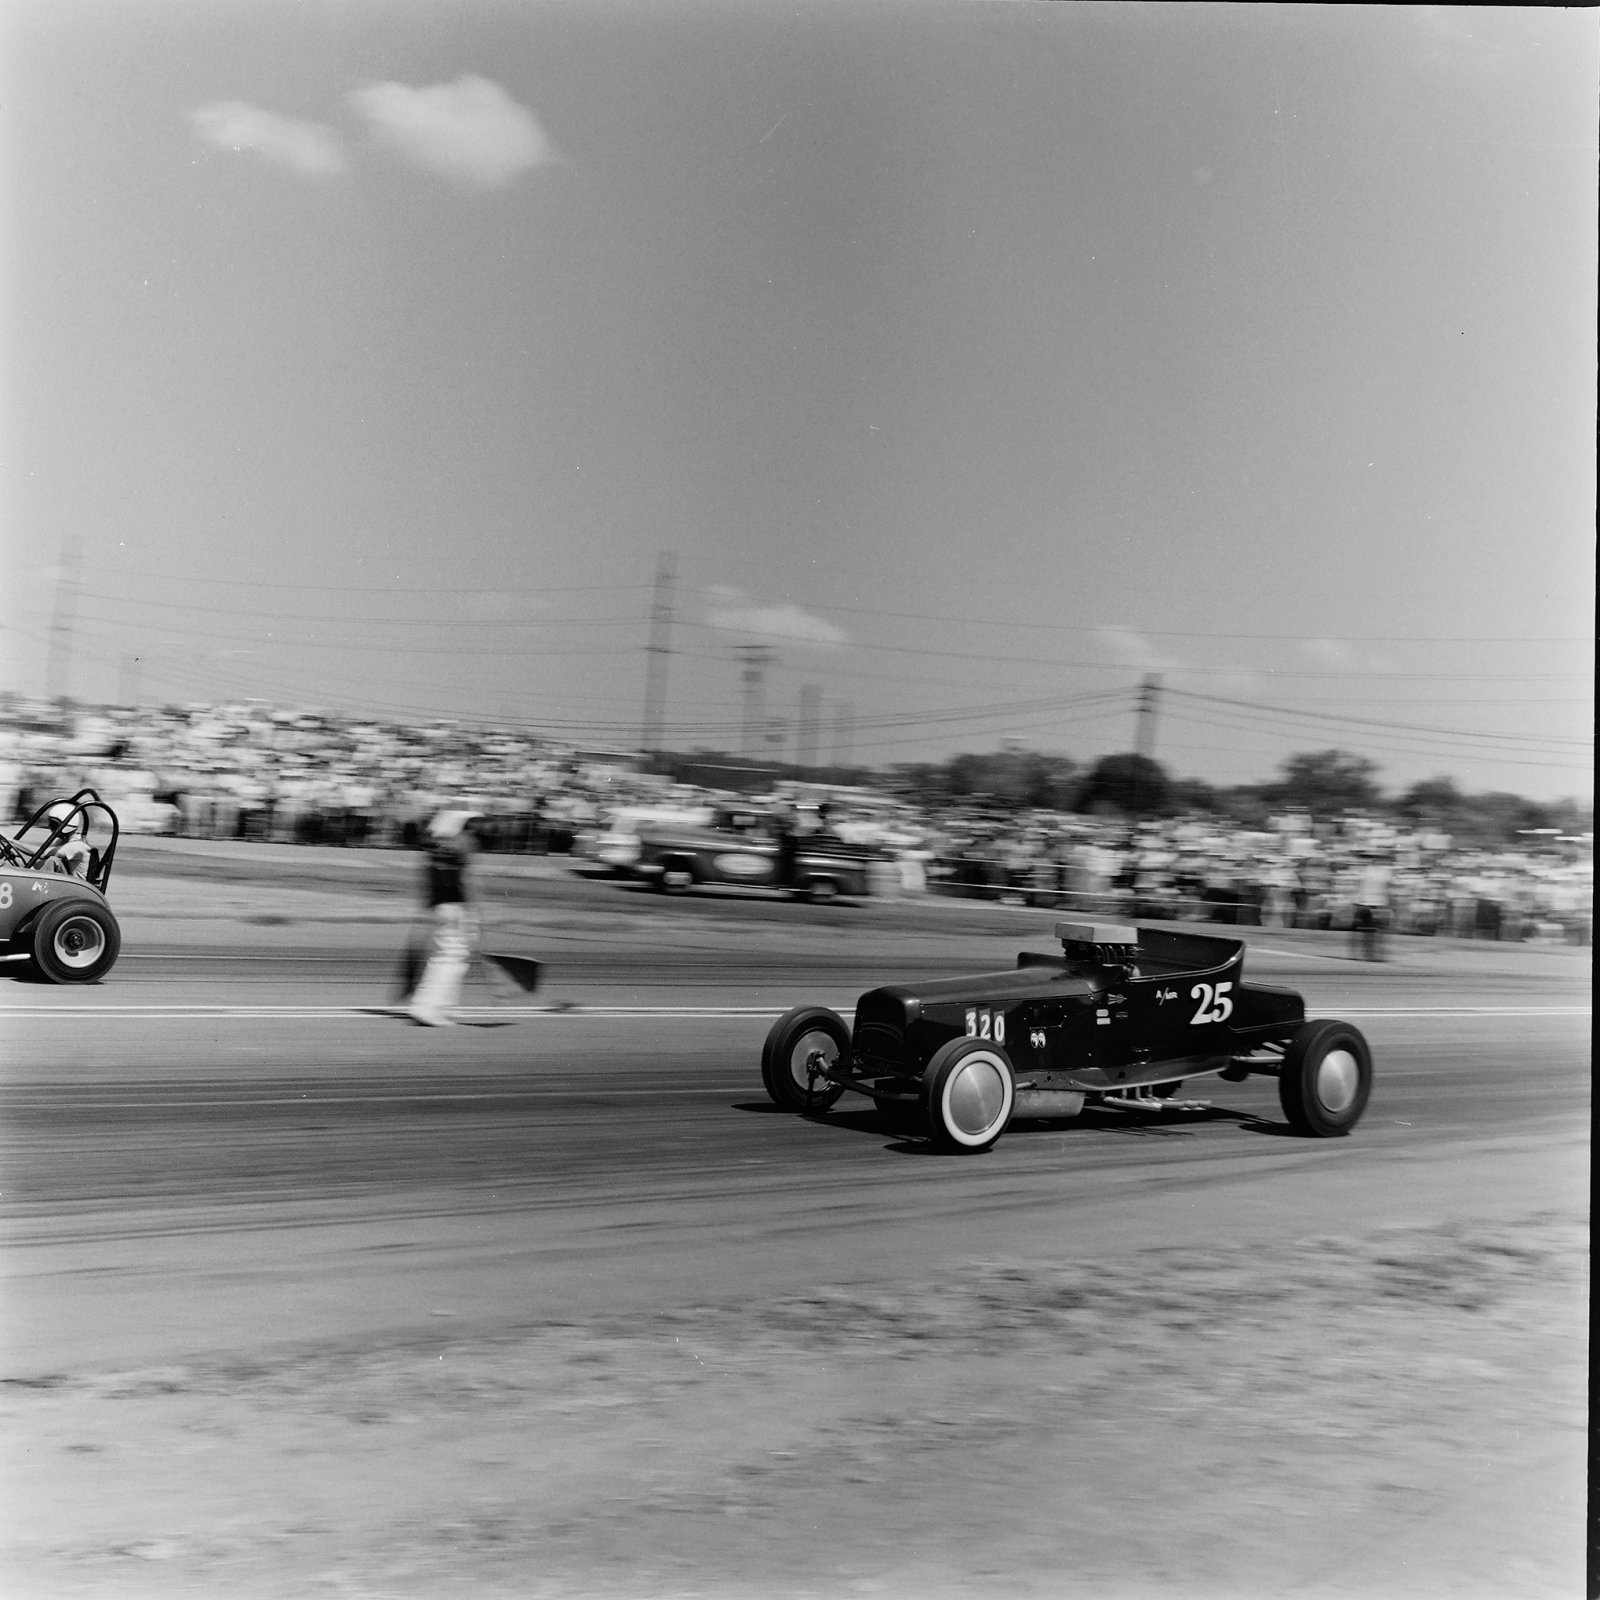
[447, 871]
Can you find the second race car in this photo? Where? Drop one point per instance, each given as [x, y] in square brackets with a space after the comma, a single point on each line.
[53, 907]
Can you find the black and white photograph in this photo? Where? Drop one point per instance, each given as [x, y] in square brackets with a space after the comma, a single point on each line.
[796, 799]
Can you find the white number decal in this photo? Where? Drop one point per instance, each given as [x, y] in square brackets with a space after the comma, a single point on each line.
[1215, 1006]
[986, 1025]
[5, 895]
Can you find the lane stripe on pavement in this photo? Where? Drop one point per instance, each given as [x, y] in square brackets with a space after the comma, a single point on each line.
[664, 1013]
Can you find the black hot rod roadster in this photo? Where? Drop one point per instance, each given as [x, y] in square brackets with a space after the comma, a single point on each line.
[1119, 1020]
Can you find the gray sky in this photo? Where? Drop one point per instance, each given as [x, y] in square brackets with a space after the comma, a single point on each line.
[976, 358]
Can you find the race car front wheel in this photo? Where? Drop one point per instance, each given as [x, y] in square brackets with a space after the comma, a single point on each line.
[75, 942]
[1326, 1079]
[969, 1092]
[797, 1043]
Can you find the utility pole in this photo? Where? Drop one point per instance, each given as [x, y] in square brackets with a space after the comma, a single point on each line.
[756, 658]
[1144, 738]
[58, 662]
[656, 653]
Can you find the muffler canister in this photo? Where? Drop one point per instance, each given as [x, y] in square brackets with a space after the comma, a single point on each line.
[1048, 1103]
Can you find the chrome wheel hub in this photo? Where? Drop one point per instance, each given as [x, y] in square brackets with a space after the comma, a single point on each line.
[976, 1096]
[806, 1046]
[1338, 1079]
[78, 942]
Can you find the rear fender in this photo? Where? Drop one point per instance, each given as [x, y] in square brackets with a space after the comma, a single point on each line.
[1263, 1013]
[57, 891]
[23, 895]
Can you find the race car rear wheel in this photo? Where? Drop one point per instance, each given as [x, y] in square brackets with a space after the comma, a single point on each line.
[797, 1039]
[76, 942]
[1326, 1079]
[969, 1092]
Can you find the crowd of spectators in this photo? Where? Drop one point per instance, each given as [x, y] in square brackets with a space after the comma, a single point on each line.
[254, 772]
[1298, 872]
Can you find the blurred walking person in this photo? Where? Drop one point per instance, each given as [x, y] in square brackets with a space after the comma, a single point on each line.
[1370, 915]
[452, 918]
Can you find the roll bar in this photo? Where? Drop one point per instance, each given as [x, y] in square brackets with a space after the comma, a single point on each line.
[31, 856]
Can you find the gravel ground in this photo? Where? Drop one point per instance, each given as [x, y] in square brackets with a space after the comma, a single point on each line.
[1335, 1417]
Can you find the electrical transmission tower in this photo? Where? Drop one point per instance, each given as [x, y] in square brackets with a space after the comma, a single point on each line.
[1144, 736]
[58, 663]
[656, 653]
[809, 737]
[755, 658]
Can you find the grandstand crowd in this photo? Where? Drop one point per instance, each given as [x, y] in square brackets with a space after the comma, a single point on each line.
[253, 772]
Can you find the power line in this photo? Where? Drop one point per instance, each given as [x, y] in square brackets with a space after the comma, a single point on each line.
[1391, 746]
[631, 620]
[1124, 667]
[877, 674]
[863, 644]
[875, 646]
[367, 588]
[274, 639]
[1010, 623]
[1394, 739]
[1372, 722]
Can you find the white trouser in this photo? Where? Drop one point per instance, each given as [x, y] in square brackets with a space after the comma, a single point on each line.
[449, 950]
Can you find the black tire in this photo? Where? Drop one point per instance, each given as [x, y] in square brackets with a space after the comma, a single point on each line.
[784, 1057]
[1326, 1079]
[77, 941]
[820, 890]
[969, 1093]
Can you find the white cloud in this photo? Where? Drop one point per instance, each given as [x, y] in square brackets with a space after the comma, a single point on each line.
[1340, 655]
[736, 612]
[235, 125]
[470, 131]
[1327, 652]
[1137, 651]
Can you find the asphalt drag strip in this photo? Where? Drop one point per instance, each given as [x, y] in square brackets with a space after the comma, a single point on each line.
[300, 1298]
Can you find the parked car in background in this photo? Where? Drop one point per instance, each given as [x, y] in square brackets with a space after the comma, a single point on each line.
[748, 848]
[614, 841]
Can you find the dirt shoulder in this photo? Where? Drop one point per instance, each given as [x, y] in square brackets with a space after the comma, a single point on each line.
[1395, 1413]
